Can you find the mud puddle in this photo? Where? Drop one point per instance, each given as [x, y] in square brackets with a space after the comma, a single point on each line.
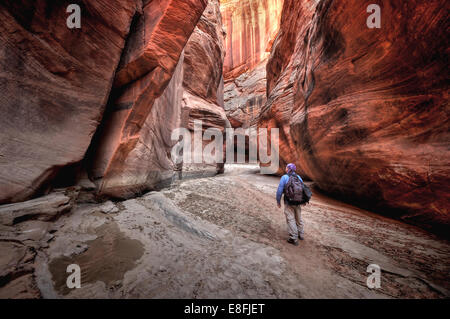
[107, 259]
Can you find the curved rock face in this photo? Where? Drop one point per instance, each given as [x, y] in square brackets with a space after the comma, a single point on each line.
[251, 26]
[364, 112]
[204, 55]
[203, 87]
[54, 84]
[245, 96]
[131, 153]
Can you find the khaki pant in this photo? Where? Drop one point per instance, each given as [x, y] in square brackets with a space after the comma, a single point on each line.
[294, 220]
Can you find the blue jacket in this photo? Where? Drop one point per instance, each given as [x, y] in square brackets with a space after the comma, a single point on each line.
[283, 182]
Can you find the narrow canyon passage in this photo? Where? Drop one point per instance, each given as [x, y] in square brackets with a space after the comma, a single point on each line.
[106, 163]
[224, 237]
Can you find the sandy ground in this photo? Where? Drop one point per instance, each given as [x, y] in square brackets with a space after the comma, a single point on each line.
[224, 237]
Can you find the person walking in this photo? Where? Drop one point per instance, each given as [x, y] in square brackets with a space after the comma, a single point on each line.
[292, 208]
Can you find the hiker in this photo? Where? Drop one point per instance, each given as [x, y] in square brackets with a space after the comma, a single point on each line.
[292, 208]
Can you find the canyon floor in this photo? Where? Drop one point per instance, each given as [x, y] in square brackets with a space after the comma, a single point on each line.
[224, 237]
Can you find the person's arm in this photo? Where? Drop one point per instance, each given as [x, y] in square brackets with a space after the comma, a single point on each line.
[281, 189]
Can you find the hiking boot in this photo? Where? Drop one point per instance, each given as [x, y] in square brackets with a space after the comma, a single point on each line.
[292, 241]
[301, 237]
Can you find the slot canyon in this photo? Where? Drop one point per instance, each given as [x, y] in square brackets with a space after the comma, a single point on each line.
[86, 154]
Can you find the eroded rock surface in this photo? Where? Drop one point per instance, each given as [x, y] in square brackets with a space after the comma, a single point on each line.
[251, 27]
[203, 88]
[19, 245]
[132, 148]
[245, 96]
[44, 208]
[364, 112]
[54, 85]
[204, 55]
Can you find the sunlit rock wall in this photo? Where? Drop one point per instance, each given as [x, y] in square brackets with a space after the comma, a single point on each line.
[203, 98]
[131, 152]
[364, 112]
[251, 27]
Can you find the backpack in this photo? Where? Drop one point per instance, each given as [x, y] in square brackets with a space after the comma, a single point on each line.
[296, 191]
[306, 194]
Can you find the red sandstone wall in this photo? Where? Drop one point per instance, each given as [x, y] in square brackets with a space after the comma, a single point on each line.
[251, 26]
[364, 112]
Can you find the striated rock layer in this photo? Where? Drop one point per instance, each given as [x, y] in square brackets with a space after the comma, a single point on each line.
[251, 26]
[204, 55]
[203, 87]
[131, 152]
[245, 96]
[364, 112]
[54, 84]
